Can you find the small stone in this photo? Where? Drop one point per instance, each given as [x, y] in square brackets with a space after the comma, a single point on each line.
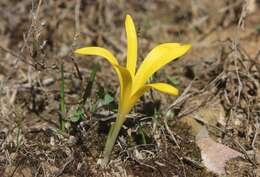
[67, 125]
[215, 162]
[243, 104]
[52, 141]
[138, 155]
[48, 81]
[237, 122]
[72, 140]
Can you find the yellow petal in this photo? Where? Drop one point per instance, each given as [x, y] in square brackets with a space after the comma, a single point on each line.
[124, 76]
[125, 87]
[162, 87]
[99, 52]
[157, 58]
[131, 45]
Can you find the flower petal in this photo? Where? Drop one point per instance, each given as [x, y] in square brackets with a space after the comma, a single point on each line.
[99, 52]
[162, 87]
[131, 45]
[124, 76]
[157, 58]
[125, 87]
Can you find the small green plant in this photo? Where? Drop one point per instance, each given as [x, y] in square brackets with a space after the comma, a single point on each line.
[257, 27]
[18, 136]
[141, 132]
[133, 83]
[173, 80]
[77, 115]
[103, 99]
[62, 100]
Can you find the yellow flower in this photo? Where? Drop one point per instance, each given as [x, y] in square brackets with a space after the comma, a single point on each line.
[133, 83]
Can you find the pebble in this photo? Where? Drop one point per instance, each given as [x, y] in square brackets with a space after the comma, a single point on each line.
[72, 140]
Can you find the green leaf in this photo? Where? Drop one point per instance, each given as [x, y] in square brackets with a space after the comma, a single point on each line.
[77, 115]
[257, 27]
[141, 132]
[108, 99]
[173, 80]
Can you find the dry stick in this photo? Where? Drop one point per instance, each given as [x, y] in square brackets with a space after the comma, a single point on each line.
[144, 164]
[78, 72]
[178, 100]
[194, 163]
[89, 86]
[13, 70]
[33, 23]
[77, 14]
[245, 152]
[254, 61]
[185, 94]
[127, 150]
[255, 136]
[171, 133]
[181, 160]
[38, 170]
[199, 92]
[256, 133]
[182, 97]
[20, 56]
[240, 25]
[16, 168]
[59, 172]
[240, 85]
[14, 54]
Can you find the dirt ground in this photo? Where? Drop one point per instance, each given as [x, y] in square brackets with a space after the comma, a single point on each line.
[220, 75]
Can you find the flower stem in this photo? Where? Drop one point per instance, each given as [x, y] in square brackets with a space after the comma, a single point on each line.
[111, 139]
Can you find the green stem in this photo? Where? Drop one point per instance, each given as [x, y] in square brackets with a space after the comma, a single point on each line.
[62, 101]
[111, 139]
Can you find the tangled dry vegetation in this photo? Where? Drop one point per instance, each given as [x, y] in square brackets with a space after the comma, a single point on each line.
[218, 79]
